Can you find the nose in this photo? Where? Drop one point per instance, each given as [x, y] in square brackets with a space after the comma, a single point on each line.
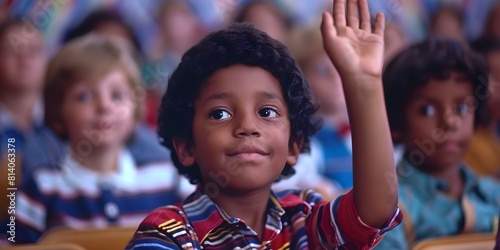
[246, 124]
[451, 120]
[104, 104]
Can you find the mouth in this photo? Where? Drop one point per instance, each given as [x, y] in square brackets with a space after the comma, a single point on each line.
[449, 146]
[104, 124]
[248, 153]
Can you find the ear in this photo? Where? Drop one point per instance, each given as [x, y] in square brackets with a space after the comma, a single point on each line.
[184, 150]
[293, 153]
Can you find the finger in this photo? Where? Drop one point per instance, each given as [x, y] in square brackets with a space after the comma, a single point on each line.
[327, 25]
[339, 13]
[365, 16]
[379, 24]
[352, 14]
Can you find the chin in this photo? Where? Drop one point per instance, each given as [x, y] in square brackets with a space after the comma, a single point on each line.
[247, 186]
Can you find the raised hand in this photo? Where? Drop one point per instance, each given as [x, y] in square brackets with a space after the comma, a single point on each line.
[353, 47]
[357, 53]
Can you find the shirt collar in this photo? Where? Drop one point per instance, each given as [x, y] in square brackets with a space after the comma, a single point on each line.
[7, 119]
[428, 184]
[85, 179]
[205, 216]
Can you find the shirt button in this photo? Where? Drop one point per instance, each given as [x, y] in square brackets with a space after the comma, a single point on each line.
[111, 210]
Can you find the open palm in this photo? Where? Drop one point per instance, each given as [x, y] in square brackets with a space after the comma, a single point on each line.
[349, 41]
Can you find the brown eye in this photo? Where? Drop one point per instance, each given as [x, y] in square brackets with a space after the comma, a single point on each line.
[427, 110]
[463, 109]
[117, 95]
[219, 114]
[268, 113]
[84, 96]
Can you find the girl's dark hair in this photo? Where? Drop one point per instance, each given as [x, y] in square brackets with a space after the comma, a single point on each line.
[432, 59]
[241, 43]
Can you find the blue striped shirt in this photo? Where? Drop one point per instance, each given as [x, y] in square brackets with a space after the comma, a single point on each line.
[76, 197]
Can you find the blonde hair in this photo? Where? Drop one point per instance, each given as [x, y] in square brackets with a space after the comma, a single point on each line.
[305, 44]
[87, 59]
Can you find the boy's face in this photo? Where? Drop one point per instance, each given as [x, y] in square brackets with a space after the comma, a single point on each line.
[439, 123]
[22, 61]
[100, 112]
[241, 130]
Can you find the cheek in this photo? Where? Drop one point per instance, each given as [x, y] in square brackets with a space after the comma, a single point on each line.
[281, 133]
[125, 112]
[467, 126]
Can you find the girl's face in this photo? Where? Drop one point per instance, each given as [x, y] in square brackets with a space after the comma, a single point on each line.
[180, 27]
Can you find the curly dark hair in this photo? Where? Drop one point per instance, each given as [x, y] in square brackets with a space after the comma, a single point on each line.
[431, 59]
[240, 43]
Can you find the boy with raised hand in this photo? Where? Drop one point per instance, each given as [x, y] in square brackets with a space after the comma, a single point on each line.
[236, 115]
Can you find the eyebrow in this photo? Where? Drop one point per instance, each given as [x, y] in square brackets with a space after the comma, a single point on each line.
[227, 95]
[437, 99]
[268, 95]
[218, 96]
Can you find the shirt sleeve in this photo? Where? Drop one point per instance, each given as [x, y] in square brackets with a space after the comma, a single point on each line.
[163, 229]
[29, 214]
[337, 223]
[394, 239]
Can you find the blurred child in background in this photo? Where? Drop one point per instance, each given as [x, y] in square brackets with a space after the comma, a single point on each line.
[91, 92]
[433, 95]
[448, 22]
[266, 16]
[492, 25]
[326, 85]
[106, 22]
[395, 40]
[179, 29]
[22, 64]
[48, 149]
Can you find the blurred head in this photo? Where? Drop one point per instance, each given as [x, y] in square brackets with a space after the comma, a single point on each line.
[448, 23]
[435, 93]
[104, 22]
[492, 27]
[266, 16]
[490, 49]
[92, 91]
[325, 81]
[22, 59]
[179, 26]
[395, 40]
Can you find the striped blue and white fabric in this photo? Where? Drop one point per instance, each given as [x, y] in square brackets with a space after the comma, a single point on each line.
[73, 196]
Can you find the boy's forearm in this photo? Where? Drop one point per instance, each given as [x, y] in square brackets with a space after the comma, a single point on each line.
[375, 186]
